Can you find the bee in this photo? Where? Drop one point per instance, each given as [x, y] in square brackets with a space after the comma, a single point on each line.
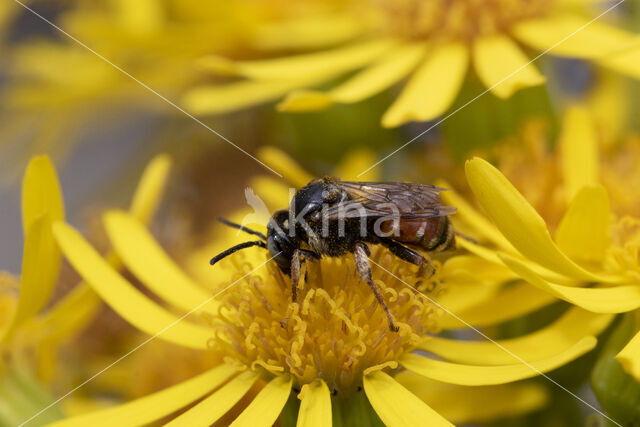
[330, 217]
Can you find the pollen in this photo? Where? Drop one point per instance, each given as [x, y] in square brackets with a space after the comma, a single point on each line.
[456, 19]
[336, 330]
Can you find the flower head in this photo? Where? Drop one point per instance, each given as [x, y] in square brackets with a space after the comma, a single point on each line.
[592, 245]
[432, 44]
[333, 348]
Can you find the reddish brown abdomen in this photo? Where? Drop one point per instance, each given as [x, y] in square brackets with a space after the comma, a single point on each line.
[428, 233]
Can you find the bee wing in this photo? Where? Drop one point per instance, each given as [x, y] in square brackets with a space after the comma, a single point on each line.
[402, 199]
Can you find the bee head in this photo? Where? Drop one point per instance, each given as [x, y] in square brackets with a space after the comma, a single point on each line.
[279, 243]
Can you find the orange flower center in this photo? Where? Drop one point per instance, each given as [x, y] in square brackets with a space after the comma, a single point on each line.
[335, 331]
[456, 19]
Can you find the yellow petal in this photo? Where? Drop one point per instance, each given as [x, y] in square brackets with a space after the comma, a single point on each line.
[517, 220]
[615, 299]
[492, 256]
[325, 63]
[502, 66]
[286, 165]
[41, 194]
[455, 373]
[511, 303]
[315, 405]
[583, 232]
[578, 151]
[215, 406]
[397, 406]
[626, 61]
[151, 188]
[629, 357]
[573, 35]
[40, 265]
[471, 217]
[482, 404]
[432, 88]
[266, 406]
[148, 262]
[308, 32]
[69, 315]
[217, 99]
[154, 406]
[127, 301]
[388, 70]
[541, 344]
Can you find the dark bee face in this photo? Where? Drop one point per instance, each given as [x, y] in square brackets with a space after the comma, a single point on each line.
[279, 243]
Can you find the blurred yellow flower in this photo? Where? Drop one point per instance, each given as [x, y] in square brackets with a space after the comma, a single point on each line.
[335, 351]
[593, 244]
[432, 43]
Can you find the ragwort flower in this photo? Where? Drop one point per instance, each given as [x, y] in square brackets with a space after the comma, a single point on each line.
[32, 329]
[593, 245]
[432, 43]
[334, 356]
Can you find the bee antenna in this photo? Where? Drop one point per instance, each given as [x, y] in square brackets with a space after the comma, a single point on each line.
[465, 237]
[236, 248]
[242, 228]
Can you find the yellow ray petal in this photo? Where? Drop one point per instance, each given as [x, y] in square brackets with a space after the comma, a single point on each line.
[474, 219]
[41, 194]
[286, 165]
[69, 315]
[315, 405]
[154, 406]
[326, 63]
[626, 61]
[583, 233]
[127, 301]
[502, 66]
[517, 220]
[455, 373]
[575, 35]
[513, 302]
[266, 406]
[40, 265]
[616, 299]
[308, 32]
[150, 188]
[397, 406]
[492, 256]
[388, 70]
[215, 406]
[578, 151]
[541, 344]
[629, 357]
[218, 99]
[432, 88]
[148, 262]
[481, 404]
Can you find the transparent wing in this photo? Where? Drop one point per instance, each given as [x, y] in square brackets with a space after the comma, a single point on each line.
[402, 199]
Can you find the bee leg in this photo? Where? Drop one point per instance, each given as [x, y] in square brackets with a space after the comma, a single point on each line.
[364, 270]
[295, 278]
[409, 255]
[295, 274]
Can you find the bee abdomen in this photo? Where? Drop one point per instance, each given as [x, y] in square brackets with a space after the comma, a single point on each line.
[431, 234]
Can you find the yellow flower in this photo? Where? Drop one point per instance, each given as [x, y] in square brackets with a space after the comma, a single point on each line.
[50, 108]
[592, 244]
[334, 351]
[433, 44]
[31, 334]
